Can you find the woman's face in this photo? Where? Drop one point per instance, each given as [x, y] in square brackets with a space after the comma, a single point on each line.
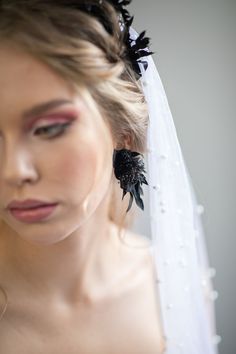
[70, 163]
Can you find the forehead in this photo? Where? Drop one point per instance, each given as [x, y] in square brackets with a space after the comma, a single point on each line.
[25, 80]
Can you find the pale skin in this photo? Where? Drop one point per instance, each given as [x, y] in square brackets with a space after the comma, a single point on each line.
[73, 287]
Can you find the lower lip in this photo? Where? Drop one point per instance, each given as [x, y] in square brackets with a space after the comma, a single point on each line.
[35, 214]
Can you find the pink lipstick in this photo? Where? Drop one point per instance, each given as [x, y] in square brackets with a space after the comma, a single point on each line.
[31, 210]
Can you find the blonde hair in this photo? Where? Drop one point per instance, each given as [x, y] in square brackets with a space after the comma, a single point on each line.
[78, 47]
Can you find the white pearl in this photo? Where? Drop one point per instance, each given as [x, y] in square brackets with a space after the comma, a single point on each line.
[167, 262]
[177, 163]
[183, 263]
[162, 202]
[186, 289]
[157, 187]
[200, 209]
[214, 295]
[150, 150]
[216, 339]
[169, 306]
[181, 245]
[163, 210]
[211, 272]
[180, 345]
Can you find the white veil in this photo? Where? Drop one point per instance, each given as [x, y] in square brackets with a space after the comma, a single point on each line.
[173, 218]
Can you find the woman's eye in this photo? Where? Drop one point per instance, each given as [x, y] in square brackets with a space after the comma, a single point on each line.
[52, 130]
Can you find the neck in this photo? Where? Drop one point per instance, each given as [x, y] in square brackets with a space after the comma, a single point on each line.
[74, 269]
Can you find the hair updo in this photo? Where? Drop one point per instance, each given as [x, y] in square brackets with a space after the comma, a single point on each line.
[80, 49]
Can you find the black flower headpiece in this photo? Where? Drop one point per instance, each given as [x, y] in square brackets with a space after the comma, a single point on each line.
[129, 169]
[135, 49]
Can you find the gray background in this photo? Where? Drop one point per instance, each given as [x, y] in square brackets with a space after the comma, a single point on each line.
[195, 52]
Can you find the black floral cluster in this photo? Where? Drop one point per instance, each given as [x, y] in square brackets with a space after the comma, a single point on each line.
[128, 169]
[136, 49]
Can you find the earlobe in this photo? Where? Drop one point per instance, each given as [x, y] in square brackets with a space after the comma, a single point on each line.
[125, 143]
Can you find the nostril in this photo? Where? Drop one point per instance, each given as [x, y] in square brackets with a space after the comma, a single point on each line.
[18, 166]
[18, 172]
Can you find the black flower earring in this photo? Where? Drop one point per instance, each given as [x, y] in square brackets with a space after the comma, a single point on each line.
[129, 168]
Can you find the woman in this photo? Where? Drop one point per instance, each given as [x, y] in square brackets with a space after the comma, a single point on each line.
[74, 118]
[72, 285]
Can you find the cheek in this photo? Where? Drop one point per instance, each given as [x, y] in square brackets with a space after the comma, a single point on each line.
[77, 169]
[81, 166]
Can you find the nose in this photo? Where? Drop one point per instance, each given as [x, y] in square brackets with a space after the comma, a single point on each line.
[17, 167]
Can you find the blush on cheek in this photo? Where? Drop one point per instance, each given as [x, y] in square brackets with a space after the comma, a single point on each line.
[78, 170]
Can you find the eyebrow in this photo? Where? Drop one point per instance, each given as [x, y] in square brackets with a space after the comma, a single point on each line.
[43, 107]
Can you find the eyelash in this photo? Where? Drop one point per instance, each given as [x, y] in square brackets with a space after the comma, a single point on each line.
[62, 129]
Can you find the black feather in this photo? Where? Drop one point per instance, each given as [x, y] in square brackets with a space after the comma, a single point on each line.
[129, 169]
[135, 49]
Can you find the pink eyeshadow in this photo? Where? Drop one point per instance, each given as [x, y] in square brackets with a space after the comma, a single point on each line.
[53, 117]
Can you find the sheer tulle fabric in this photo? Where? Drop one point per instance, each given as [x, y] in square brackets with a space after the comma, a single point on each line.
[172, 220]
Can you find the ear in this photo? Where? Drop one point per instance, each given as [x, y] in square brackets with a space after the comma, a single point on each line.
[126, 143]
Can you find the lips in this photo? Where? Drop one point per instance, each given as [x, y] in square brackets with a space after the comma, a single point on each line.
[32, 210]
[28, 204]
[33, 214]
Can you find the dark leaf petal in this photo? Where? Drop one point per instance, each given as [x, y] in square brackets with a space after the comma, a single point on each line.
[124, 193]
[130, 202]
